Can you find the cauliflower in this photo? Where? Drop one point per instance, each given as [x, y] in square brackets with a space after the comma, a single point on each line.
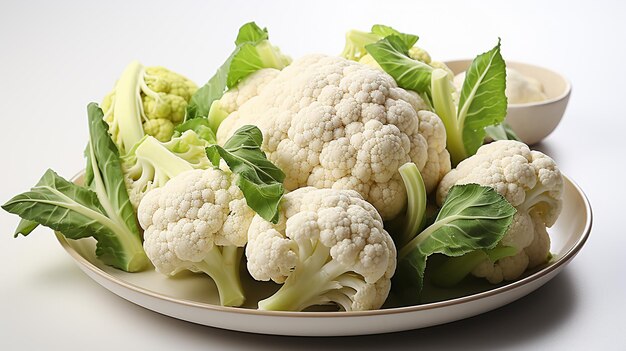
[146, 100]
[248, 88]
[328, 247]
[333, 123]
[532, 183]
[198, 222]
[151, 164]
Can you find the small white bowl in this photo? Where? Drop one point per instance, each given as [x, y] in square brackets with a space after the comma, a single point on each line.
[532, 121]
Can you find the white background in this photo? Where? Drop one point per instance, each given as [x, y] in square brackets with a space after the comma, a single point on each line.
[55, 57]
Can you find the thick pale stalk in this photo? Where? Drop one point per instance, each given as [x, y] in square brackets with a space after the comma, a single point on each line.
[416, 201]
[170, 165]
[128, 108]
[446, 110]
[309, 280]
[223, 267]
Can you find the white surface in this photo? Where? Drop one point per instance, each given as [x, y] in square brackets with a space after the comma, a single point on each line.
[57, 56]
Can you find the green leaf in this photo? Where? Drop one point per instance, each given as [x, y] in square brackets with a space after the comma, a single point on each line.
[254, 56]
[473, 217]
[455, 269]
[202, 99]
[61, 205]
[200, 126]
[502, 131]
[252, 53]
[88, 177]
[75, 212]
[356, 40]
[107, 169]
[482, 100]
[25, 227]
[259, 179]
[251, 33]
[391, 54]
[102, 211]
[245, 62]
[408, 40]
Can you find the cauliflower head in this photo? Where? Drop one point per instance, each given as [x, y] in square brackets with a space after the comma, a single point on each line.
[198, 222]
[162, 100]
[333, 123]
[328, 247]
[151, 164]
[532, 183]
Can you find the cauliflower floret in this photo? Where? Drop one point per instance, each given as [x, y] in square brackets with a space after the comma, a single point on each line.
[532, 183]
[198, 221]
[333, 123]
[248, 88]
[162, 129]
[152, 100]
[328, 247]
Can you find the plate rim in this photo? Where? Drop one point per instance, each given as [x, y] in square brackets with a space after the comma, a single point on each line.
[565, 258]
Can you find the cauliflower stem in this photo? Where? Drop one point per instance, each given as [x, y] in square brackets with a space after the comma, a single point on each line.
[315, 281]
[355, 44]
[221, 263]
[416, 202]
[446, 110]
[128, 110]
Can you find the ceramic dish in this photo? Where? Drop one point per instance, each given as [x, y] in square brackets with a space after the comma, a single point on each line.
[193, 297]
[532, 121]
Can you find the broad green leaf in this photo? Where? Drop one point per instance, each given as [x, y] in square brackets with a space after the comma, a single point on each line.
[482, 101]
[75, 212]
[61, 205]
[408, 40]
[391, 54]
[25, 227]
[201, 100]
[252, 53]
[102, 211]
[259, 179]
[107, 168]
[245, 62]
[254, 56]
[356, 40]
[473, 217]
[251, 33]
[88, 177]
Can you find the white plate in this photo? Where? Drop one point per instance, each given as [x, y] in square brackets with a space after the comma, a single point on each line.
[193, 297]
